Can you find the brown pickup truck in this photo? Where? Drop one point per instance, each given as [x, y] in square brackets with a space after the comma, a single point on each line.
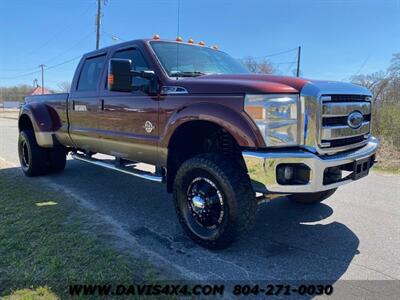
[221, 138]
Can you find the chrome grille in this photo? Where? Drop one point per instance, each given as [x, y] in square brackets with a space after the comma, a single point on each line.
[335, 133]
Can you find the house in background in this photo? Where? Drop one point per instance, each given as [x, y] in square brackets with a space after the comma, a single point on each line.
[12, 100]
[39, 91]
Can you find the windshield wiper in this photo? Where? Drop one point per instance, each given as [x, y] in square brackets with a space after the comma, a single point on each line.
[188, 74]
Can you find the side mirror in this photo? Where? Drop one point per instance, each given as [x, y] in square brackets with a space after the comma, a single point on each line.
[119, 75]
[153, 86]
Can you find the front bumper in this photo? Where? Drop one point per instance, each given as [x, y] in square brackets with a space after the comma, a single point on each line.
[262, 168]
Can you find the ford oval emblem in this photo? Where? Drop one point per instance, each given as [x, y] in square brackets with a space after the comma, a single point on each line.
[355, 119]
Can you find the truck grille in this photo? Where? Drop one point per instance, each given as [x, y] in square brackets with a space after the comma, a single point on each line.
[335, 132]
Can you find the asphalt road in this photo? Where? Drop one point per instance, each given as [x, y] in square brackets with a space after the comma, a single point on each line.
[354, 235]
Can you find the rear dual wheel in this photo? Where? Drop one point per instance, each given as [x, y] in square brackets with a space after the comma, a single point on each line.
[36, 160]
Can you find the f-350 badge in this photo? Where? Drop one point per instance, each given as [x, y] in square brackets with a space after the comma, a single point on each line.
[148, 127]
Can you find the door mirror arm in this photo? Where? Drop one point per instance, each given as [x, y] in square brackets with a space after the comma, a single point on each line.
[154, 86]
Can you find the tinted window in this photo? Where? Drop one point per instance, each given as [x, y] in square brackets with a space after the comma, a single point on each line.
[90, 73]
[138, 64]
[182, 60]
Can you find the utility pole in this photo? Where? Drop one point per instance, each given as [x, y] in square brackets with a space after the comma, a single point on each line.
[42, 67]
[298, 61]
[98, 23]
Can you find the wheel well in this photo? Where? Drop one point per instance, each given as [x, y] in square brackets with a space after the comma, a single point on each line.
[196, 137]
[24, 123]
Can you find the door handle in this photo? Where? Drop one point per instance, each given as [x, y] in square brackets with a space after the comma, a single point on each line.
[102, 104]
[73, 104]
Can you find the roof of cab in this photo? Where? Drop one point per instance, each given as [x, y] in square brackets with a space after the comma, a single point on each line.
[137, 41]
[119, 45]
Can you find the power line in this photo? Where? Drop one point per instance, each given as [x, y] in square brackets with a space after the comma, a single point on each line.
[283, 62]
[179, 18]
[64, 62]
[72, 47]
[53, 37]
[276, 53]
[17, 70]
[54, 57]
[20, 75]
[114, 37]
[291, 65]
[48, 68]
[362, 65]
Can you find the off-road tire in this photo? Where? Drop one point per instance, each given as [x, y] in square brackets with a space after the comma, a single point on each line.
[33, 158]
[57, 159]
[238, 197]
[312, 198]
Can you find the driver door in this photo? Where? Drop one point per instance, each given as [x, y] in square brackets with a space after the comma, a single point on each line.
[128, 121]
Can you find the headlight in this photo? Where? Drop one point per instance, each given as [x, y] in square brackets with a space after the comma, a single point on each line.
[276, 117]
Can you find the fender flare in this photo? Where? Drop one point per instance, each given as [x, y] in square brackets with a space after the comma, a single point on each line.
[238, 124]
[45, 122]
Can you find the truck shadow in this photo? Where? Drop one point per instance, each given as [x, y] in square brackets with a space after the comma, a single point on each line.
[289, 242]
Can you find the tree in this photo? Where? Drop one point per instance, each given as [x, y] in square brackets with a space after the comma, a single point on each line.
[260, 66]
[375, 82]
[384, 85]
[394, 68]
[15, 93]
[64, 87]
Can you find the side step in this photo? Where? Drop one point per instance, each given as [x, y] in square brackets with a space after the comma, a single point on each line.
[118, 167]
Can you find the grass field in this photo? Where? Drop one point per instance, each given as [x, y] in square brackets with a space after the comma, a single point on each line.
[46, 243]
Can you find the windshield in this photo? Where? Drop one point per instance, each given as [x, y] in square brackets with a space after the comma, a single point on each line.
[181, 60]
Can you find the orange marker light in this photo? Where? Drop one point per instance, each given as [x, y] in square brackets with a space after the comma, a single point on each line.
[190, 41]
[156, 37]
[201, 43]
[178, 39]
[110, 79]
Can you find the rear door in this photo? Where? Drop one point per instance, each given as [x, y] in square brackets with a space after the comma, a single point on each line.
[128, 121]
[83, 104]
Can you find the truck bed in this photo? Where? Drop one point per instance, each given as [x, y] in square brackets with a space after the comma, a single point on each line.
[48, 98]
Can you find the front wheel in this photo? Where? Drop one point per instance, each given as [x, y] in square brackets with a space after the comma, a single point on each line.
[214, 200]
[312, 198]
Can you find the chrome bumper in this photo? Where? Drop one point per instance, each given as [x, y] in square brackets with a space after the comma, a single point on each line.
[262, 166]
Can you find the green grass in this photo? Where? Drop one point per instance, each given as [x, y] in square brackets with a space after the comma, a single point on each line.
[40, 293]
[46, 242]
[390, 170]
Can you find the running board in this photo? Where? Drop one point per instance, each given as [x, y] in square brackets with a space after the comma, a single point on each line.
[117, 167]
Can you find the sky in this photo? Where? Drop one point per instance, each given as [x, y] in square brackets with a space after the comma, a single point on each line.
[339, 38]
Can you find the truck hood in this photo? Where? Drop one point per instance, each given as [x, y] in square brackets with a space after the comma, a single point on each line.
[241, 84]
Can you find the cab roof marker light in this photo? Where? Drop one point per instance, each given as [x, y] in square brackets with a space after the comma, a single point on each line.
[179, 39]
[190, 41]
[202, 43]
[215, 47]
[156, 37]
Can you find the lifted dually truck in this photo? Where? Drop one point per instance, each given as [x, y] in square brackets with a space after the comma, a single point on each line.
[218, 135]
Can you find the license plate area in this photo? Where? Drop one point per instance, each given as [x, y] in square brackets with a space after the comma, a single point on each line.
[361, 168]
